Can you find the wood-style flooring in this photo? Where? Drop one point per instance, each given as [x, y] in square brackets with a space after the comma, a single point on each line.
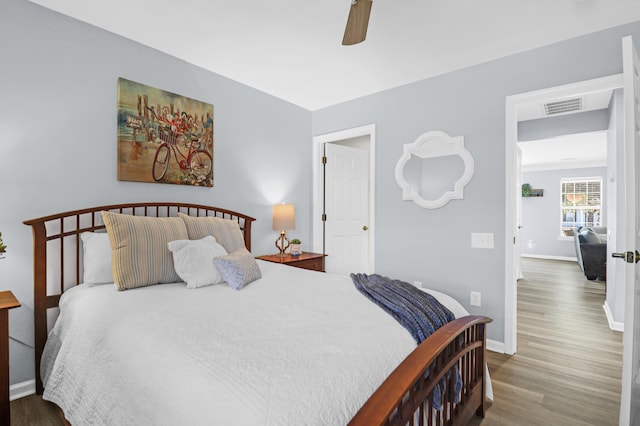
[567, 370]
[33, 410]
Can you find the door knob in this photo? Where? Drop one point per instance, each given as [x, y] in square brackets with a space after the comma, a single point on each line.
[365, 228]
[628, 256]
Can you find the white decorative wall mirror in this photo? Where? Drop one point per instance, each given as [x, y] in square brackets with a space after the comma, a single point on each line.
[434, 169]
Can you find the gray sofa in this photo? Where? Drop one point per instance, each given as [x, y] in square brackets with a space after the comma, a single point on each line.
[591, 251]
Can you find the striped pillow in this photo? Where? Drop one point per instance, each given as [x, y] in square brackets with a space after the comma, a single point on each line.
[139, 248]
[226, 232]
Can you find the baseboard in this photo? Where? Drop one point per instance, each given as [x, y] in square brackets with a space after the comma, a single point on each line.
[547, 257]
[613, 325]
[20, 390]
[495, 346]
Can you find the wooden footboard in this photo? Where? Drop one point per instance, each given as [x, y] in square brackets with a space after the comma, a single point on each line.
[407, 396]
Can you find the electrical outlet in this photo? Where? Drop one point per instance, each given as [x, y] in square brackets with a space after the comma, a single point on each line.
[418, 284]
[475, 298]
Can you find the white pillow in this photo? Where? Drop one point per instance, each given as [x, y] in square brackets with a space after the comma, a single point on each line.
[193, 261]
[96, 249]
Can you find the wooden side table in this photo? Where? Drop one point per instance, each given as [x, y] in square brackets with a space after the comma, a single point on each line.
[7, 301]
[313, 261]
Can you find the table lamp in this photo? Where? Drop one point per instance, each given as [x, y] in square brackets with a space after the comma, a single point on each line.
[283, 219]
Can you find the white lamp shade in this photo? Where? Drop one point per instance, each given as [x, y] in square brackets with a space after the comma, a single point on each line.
[283, 217]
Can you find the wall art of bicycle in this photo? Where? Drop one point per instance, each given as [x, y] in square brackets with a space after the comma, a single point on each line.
[163, 137]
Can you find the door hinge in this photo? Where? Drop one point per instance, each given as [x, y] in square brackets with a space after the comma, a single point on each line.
[324, 217]
[324, 159]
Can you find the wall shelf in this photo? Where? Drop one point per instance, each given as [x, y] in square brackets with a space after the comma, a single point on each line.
[535, 193]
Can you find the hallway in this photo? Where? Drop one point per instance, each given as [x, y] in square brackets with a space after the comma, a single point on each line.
[567, 369]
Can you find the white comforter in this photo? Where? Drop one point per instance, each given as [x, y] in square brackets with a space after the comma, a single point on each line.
[294, 348]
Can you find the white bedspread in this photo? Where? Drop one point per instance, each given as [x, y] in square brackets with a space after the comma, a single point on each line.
[295, 347]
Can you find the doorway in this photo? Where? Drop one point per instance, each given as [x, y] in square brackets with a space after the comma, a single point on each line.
[344, 199]
[513, 190]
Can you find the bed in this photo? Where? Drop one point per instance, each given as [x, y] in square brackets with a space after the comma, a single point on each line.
[292, 347]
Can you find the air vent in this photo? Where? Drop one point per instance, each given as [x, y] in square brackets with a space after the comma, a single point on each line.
[564, 106]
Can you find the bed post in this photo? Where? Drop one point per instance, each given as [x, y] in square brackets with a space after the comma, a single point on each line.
[480, 365]
[247, 233]
[39, 295]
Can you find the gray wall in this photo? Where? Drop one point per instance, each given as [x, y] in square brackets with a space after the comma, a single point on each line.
[541, 215]
[470, 103]
[58, 88]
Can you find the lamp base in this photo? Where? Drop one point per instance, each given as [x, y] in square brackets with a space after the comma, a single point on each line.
[282, 242]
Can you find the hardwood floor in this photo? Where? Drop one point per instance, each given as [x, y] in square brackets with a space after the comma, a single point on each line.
[567, 370]
[33, 410]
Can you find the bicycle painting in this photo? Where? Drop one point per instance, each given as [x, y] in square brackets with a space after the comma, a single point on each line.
[163, 137]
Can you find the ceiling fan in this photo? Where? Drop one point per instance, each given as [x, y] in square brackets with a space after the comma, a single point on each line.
[357, 22]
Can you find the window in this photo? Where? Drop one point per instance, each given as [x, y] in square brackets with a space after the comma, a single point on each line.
[581, 203]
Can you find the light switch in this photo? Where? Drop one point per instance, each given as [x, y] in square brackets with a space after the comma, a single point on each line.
[480, 240]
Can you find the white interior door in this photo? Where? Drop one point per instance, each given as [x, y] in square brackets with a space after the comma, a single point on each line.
[630, 399]
[347, 209]
[517, 249]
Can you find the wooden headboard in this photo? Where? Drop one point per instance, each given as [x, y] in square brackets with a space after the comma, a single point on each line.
[57, 257]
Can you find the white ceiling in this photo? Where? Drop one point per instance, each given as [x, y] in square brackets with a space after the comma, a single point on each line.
[565, 152]
[292, 48]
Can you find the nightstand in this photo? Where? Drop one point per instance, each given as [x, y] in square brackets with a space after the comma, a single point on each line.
[7, 301]
[313, 261]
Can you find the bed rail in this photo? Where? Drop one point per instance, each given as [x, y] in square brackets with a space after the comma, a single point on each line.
[406, 396]
[57, 255]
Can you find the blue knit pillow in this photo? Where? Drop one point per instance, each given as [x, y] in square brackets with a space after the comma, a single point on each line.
[238, 268]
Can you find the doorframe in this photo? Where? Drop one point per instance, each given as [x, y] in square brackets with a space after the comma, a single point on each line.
[317, 170]
[630, 338]
[511, 139]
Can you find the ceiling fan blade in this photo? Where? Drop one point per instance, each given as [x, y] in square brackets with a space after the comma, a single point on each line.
[357, 23]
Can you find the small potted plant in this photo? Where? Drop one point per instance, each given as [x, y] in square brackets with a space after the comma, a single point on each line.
[3, 248]
[296, 247]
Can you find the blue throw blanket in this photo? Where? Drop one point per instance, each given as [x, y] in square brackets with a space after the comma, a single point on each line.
[419, 312]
